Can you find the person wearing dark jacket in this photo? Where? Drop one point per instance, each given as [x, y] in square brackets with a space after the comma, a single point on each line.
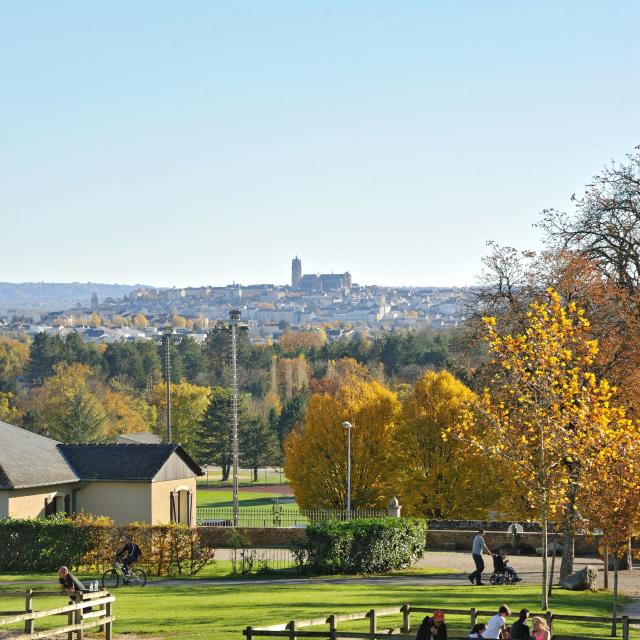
[68, 582]
[433, 627]
[519, 629]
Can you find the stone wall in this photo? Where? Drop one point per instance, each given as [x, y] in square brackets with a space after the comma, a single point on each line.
[459, 540]
[218, 537]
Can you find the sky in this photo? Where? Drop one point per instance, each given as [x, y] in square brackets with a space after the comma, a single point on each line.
[194, 143]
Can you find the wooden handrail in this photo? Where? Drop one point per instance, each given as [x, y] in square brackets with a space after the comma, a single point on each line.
[78, 619]
[296, 628]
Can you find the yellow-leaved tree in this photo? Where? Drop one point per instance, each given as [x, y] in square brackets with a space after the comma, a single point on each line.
[609, 498]
[316, 450]
[434, 477]
[543, 408]
[188, 405]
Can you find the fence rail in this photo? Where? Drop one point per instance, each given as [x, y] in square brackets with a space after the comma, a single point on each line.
[300, 628]
[79, 612]
[276, 516]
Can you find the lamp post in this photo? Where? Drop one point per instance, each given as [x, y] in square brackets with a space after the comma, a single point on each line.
[235, 317]
[348, 426]
[166, 340]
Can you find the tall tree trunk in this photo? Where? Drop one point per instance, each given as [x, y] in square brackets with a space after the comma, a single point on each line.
[615, 593]
[553, 561]
[569, 526]
[226, 470]
[255, 474]
[545, 554]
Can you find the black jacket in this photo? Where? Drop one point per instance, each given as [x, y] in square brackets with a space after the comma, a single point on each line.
[424, 632]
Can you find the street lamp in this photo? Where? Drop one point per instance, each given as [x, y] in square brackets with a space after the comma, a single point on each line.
[167, 332]
[348, 426]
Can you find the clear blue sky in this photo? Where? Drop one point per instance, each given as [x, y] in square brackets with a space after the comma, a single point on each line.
[177, 143]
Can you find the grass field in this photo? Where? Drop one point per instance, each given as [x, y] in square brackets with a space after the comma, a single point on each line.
[245, 477]
[200, 611]
[223, 498]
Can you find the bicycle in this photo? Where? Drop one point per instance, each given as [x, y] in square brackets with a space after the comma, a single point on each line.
[111, 578]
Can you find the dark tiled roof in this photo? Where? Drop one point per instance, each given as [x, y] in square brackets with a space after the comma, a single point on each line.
[30, 460]
[129, 462]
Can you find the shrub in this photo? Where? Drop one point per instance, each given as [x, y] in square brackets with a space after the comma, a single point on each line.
[91, 542]
[41, 545]
[364, 545]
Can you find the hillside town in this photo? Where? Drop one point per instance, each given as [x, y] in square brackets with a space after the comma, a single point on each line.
[328, 300]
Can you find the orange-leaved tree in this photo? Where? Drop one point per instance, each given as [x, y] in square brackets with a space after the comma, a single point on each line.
[609, 499]
[543, 408]
[439, 478]
[316, 450]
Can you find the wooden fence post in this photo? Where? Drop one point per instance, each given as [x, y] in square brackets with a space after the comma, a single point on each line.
[473, 617]
[71, 616]
[79, 598]
[28, 608]
[108, 627]
[406, 618]
[549, 618]
[373, 627]
[333, 626]
[292, 629]
[248, 633]
[625, 627]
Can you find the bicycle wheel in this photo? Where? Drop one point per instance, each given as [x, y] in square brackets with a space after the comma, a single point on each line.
[139, 578]
[110, 579]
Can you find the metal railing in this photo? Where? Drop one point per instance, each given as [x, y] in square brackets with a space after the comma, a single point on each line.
[276, 516]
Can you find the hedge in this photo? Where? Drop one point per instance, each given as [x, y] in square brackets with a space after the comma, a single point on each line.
[363, 545]
[91, 542]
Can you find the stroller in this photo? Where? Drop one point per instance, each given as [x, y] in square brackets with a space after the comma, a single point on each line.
[502, 572]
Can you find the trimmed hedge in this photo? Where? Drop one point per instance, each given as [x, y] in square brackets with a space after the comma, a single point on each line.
[363, 545]
[41, 545]
[91, 542]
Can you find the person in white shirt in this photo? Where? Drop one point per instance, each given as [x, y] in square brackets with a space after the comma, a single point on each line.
[476, 552]
[497, 624]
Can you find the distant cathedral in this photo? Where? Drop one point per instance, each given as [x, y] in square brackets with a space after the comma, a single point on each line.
[317, 283]
[296, 272]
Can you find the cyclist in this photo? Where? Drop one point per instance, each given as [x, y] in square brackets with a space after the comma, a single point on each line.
[129, 554]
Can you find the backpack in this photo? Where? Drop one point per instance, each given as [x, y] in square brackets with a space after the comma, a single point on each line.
[423, 631]
[135, 553]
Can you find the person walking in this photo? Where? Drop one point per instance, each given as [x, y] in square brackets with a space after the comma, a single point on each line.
[476, 551]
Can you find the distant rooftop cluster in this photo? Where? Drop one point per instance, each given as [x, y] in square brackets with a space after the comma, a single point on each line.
[329, 300]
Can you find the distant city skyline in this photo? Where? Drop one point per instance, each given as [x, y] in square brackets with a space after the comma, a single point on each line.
[200, 144]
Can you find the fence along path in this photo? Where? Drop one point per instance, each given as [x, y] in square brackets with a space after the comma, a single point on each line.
[299, 628]
[276, 516]
[79, 617]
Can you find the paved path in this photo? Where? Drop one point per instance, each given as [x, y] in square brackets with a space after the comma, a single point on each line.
[528, 568]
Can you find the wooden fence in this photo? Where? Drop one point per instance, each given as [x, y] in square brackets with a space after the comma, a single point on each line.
[299, 628]
[84, 611]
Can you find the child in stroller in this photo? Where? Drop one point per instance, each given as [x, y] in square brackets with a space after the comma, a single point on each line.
[502, 572]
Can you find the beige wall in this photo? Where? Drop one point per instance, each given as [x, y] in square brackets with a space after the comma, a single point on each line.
[161, 509]
[29, 503]
[124, 502]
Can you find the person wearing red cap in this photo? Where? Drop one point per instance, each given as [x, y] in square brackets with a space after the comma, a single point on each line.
[433, 627]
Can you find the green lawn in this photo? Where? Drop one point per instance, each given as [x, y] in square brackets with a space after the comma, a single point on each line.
[219, 498]
[202, 612]
[245, 477]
